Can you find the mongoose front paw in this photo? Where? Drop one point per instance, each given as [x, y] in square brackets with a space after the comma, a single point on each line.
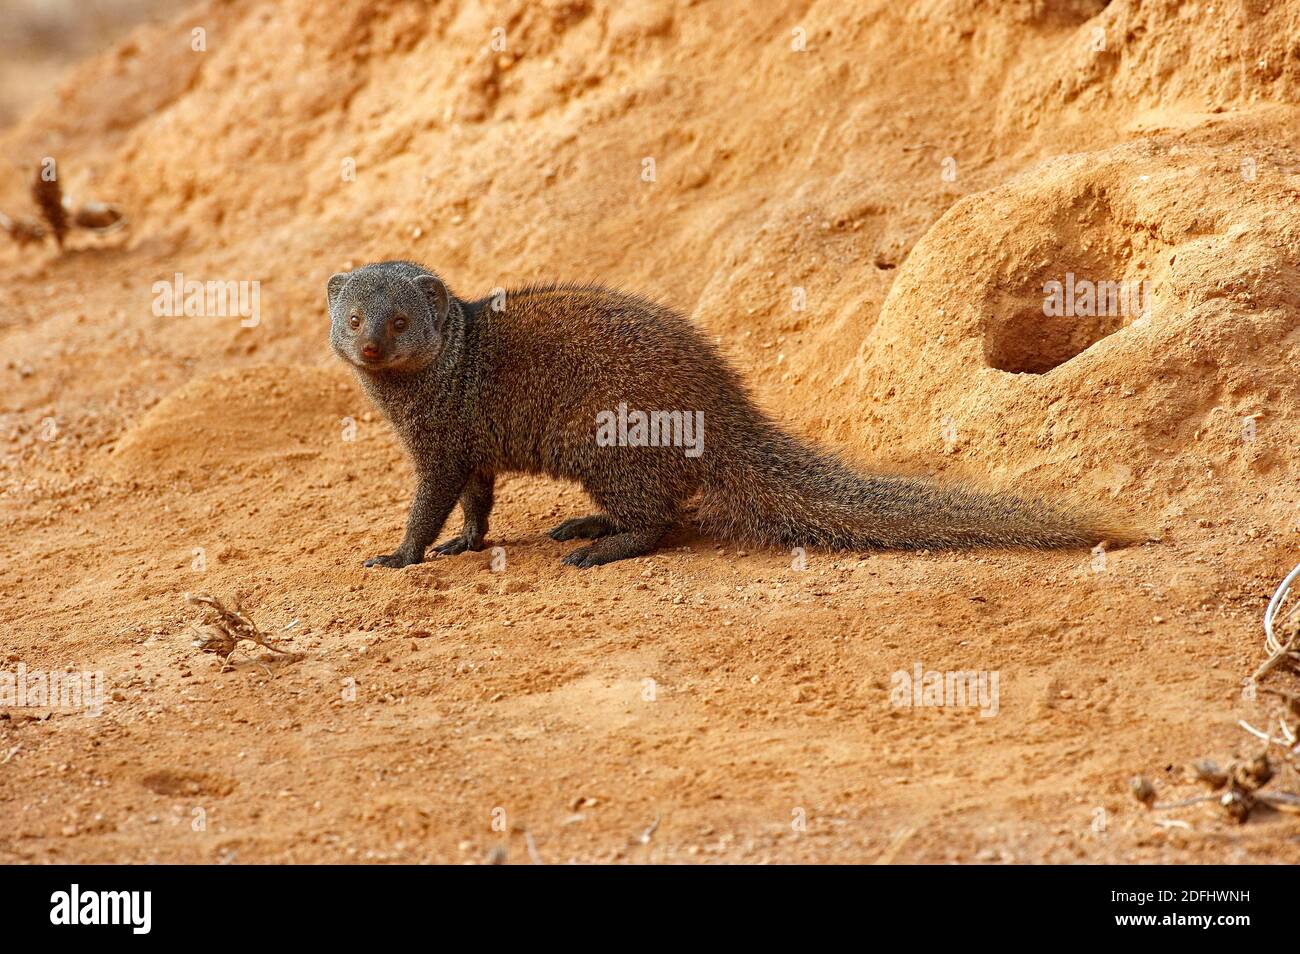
[458, 544]
[395, 560]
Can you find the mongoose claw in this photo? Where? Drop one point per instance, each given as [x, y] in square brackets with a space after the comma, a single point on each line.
[457, 544]
[394, 560]
[590, 528]
[582, 558]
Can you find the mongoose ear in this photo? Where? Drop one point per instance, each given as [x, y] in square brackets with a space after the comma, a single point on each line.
[335, 286]
[439, 297]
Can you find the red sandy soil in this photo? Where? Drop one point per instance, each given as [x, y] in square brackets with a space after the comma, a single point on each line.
[149, 456]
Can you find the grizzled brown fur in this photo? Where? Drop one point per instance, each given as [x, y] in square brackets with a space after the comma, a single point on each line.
[475, 390]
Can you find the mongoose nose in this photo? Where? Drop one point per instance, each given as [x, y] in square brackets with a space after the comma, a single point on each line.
[370, 352]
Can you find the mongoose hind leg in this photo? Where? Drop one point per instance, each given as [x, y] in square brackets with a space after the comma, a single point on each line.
[587, 528]
[476, 503]
[619, 546]
[642, 497]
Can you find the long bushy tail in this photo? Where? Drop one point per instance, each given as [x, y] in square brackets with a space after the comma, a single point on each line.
[771, 488]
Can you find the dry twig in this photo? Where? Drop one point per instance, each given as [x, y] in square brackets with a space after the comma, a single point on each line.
[47, 193]
[221, 628]
[1241, 784]
[22, 231]
[57, 215]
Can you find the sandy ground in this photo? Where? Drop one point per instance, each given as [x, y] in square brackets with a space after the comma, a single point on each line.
[863, 206]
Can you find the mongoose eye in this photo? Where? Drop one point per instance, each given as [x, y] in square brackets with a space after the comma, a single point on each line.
[399, 324]
[354, 320]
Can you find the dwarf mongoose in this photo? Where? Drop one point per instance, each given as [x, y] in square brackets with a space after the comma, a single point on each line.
[625, 397]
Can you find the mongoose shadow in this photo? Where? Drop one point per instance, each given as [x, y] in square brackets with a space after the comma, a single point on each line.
[630, 400]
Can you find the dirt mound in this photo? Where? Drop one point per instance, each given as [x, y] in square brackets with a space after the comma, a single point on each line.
[1181, 345]
[241, 423]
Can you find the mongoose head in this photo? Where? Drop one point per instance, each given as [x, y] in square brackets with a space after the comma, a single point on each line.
[387, 316]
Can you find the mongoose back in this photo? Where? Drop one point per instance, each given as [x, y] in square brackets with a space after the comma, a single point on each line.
[604, 388]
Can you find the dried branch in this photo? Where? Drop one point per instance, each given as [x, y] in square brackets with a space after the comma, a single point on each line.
[221, 628]
[22, 231]
[47, 193]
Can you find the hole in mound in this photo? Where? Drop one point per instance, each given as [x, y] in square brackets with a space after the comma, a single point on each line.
[1033, 337]
[1068, 282]
[1030, 342]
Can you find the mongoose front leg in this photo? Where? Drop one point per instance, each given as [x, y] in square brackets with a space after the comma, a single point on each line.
[476, 504]
[435, 495]
[588, 528]
[620, 546]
